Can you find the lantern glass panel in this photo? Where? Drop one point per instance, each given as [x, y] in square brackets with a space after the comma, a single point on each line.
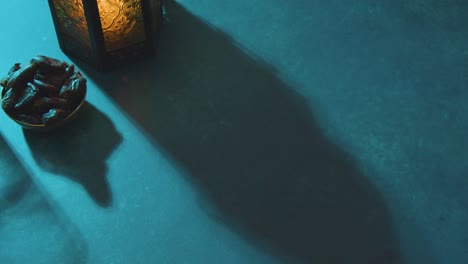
[73, 27]
[122, 23]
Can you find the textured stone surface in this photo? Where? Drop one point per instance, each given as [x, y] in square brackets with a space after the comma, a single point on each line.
[266, 132]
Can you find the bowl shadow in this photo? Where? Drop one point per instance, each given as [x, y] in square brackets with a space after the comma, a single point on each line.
[252, 148]
[79, 151]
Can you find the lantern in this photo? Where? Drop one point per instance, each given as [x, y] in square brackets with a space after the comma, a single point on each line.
[106, 33]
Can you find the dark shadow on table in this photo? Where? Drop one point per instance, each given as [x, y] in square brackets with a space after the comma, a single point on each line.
[79, 151]
[32, 229]
[252, 148]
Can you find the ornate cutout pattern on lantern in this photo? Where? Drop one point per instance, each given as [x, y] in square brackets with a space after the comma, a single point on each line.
[106, 33]
[73, 26]
[122, 23]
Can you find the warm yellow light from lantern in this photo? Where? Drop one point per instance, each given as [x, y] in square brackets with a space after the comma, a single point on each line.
[73, 25]
[122, 23]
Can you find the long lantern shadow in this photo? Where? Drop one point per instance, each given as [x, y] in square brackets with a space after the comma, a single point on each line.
[252, 148]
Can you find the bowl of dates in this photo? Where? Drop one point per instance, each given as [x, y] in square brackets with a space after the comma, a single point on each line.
[44, 94]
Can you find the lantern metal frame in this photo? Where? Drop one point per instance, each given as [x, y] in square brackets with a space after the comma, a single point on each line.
[100, 58]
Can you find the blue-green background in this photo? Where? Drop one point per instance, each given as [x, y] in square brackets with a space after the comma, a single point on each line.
[263, 131]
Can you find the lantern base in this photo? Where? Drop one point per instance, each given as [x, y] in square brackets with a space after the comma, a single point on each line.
[117, 58]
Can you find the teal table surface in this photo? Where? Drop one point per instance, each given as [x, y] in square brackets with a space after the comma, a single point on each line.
[264, 131]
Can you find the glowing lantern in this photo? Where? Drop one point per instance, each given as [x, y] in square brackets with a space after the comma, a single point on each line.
[106, 33]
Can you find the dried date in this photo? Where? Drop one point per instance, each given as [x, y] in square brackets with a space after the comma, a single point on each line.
[46, 88]
[55, 79]
[49, 65]
[15, 67]
[4, 81]
[70, 70]
[27, 96]
[74, 93]
[9, 99]
[21, 77]
[53, 116]
[44, 104]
